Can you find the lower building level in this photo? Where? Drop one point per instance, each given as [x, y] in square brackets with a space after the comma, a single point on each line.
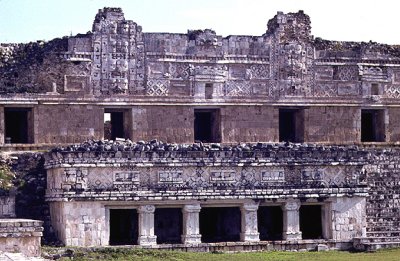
[268, 193]
[84, 223]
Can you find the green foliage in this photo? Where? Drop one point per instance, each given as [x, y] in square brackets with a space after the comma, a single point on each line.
[152, 255]
[6, 177]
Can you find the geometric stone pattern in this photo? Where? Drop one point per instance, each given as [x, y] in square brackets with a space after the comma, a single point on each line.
[117, 58]
[107, 179]
[137, 176]
[157, 87]
[237, 88]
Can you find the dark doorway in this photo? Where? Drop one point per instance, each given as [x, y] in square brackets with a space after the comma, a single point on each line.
[372, 126]
[311, 221]
[168, 225]
[18, 125]
[123, 227]
[270, 222]
[220, 224]
[207, 125]
[113, 125]
[291, 125]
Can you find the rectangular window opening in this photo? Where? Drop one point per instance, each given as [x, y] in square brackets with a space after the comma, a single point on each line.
[207, 125]
[291, 125]
[18, 125]
[123, 227]
[311, 221]
[372, 126]
[114, 124]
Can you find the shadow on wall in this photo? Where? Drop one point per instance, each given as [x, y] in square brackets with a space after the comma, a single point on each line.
[30, 181]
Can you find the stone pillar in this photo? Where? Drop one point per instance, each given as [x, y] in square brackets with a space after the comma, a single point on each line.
[249, 223]
[146, 226]
[291, 220]
[191, 224]
[2, 126]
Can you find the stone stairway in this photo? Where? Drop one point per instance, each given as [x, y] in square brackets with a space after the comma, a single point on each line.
[377, 240]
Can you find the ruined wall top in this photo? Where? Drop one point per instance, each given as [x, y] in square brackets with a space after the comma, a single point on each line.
[290, 27]
[116, 59]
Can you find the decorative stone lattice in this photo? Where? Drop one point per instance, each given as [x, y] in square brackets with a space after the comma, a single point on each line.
[101, 180]
[393, 91]
[325, 90]
[187, 178]
[157, 87]
[180, 70]
[258, 71]
[346, 73]
[237, 88]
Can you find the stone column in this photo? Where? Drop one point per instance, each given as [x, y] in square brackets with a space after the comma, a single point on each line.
[2, 126]
[191, 224]
[291, 220]
[146, 226]
[249, 223]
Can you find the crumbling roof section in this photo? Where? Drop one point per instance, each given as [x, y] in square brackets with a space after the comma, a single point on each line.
[357, 49]
[23, 66]
[290, 26]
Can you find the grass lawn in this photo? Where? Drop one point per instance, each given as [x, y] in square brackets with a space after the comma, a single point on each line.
[147, 255]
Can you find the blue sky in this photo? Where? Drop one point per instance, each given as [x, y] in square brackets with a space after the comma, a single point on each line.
[30, 20]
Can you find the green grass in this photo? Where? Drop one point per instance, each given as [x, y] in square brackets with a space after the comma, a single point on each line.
[150, 255]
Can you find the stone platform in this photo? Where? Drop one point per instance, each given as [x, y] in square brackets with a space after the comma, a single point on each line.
[21, 236]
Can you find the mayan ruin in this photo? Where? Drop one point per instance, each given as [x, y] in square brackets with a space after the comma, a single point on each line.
[200, 142]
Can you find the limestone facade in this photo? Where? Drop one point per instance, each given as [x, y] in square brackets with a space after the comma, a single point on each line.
[21, 235]
[246, 80]
[82, 188]
[294, 104]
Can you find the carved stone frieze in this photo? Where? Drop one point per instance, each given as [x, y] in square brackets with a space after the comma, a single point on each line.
[237, 88]
[209, 177]
[180, 70]
[325, 90]
[118, 57]
[374, 73]
[258, 71]
[157, 87]
[393, 91]
[346, 73]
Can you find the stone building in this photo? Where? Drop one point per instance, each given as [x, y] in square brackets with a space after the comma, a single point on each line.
[278, 141]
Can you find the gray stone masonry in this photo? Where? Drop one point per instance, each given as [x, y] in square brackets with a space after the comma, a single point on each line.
[339, 101]
[21, 235]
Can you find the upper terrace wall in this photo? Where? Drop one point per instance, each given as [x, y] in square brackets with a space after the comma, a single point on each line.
[286, 64]
[247, 78]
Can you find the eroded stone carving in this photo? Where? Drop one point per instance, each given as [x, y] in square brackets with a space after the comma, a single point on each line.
[118, 59]
[237, 88]
[157, 87]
